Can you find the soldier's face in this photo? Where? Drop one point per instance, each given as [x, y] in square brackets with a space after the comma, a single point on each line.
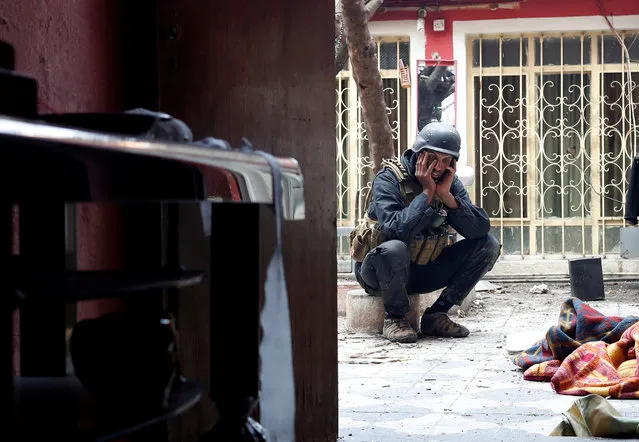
[442, 162]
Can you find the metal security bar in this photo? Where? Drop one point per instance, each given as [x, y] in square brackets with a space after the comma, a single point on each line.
[552, 138]
[354, 160]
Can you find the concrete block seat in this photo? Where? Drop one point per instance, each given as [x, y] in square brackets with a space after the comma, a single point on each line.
[365, 313]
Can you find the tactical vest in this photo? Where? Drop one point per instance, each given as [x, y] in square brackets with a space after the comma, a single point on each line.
[367, 235]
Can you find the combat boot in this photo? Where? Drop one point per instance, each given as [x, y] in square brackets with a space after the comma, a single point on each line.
[399, 330]
[439, 324]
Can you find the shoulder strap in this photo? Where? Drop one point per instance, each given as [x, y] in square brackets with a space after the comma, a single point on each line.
[406, 185]
[395, 165]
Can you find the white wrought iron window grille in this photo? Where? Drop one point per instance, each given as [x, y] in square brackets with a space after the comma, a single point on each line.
[354, 161]
[553, 135]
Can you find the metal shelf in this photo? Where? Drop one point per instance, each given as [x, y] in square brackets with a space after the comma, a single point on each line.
[249, 168]
[184, 396]
[50, 404]
[73, 286]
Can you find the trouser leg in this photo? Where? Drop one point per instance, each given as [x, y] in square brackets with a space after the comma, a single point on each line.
[458, 268]
[385, 272]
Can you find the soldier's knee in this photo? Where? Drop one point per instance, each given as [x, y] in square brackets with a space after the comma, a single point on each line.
[491, 247]
[395, 251]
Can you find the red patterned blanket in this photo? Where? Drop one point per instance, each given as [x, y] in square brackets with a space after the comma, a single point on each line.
[586, 353]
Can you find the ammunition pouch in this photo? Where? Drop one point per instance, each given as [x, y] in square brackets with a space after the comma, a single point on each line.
[365, 237]
[423, 249]
[426, 248]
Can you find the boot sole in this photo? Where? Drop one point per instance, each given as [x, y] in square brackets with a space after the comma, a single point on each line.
[406, 340]
[445, 336]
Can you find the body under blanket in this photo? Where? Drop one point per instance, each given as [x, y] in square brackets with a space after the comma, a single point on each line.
[586, 353]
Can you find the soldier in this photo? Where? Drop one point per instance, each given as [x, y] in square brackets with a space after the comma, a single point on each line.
[402, 244]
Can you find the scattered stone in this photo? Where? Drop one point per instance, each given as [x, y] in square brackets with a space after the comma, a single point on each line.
[485, 286]
[539, 289]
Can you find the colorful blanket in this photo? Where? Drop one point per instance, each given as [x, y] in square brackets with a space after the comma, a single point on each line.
[587, 352]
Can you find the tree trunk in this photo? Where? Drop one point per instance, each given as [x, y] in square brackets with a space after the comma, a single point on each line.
[341, 48]
[362, 51]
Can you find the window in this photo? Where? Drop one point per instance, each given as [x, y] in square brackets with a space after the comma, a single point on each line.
[354, 159]
[554, 135]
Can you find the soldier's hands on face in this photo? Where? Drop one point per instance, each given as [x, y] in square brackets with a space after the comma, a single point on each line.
[423, 173]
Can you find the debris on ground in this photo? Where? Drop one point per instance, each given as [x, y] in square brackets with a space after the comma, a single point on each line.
[486, 286]
[464, 389]
[539, 289]
[477, 305]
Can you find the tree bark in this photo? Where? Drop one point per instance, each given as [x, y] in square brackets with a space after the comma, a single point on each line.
[341, 47]
[362, 51]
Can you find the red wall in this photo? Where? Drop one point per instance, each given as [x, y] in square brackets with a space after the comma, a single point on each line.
[81, 56]
[72, 51]
[73, 54]
[442, 41]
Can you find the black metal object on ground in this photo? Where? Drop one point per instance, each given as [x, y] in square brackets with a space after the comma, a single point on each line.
[586, 278]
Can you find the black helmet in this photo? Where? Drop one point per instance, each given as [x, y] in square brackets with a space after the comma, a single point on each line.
[438, 137]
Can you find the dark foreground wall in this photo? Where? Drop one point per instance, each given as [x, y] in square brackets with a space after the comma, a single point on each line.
[264, 70]
[231, 69]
